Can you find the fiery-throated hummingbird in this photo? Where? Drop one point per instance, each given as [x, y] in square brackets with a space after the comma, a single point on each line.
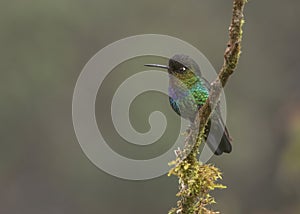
[188, 91]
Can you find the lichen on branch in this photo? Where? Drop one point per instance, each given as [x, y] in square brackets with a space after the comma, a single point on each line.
[196, 180]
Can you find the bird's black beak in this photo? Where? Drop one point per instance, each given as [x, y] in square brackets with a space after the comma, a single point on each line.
[157, 66]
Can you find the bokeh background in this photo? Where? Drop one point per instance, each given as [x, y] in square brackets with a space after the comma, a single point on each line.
[43, 48]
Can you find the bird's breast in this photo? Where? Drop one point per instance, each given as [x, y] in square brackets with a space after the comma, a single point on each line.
[182, 102]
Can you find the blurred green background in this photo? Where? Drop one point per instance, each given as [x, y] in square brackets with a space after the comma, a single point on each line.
[43, 48]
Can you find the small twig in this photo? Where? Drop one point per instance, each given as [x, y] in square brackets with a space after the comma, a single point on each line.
[231, 58]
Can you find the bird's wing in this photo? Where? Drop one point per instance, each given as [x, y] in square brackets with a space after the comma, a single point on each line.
[217, 112]
[174, 105]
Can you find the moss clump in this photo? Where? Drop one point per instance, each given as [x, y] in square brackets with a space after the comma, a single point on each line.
[196, 180]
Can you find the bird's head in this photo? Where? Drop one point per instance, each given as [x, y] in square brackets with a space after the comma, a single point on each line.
[181, 66]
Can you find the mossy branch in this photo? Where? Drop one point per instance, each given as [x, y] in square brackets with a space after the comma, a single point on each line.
[196, 180]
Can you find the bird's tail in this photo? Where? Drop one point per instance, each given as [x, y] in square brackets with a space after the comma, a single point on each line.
[216, 145]
[225, 144]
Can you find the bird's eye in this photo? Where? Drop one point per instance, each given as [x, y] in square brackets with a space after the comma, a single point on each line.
[182, 69]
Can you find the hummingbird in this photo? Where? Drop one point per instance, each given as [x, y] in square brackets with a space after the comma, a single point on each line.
[188, 91]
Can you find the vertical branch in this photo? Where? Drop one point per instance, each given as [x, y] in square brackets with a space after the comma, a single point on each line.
[196, 180]
[231, 58]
